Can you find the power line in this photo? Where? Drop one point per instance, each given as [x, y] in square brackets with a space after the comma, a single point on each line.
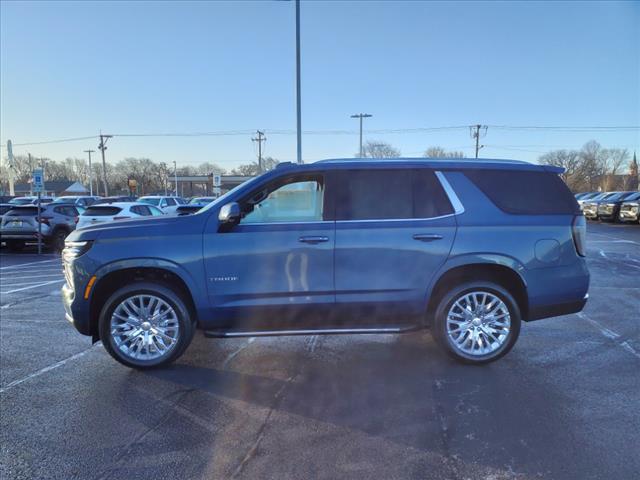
[44, 142]
[416, 130]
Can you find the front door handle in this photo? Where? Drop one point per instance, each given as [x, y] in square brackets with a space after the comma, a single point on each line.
[427, 237]
[313, 239]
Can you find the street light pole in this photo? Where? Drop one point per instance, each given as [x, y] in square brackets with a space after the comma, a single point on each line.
[298, 101]
[90, 172]
[361, 116]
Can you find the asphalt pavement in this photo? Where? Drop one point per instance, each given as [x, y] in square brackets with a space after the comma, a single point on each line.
[564, 404]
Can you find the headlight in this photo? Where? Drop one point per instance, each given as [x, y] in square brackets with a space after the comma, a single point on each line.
[75, 249]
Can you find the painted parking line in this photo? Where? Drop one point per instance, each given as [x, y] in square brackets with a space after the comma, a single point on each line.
[617, 239]
[4, 280]
[32, 286]
[30, 263]
[47, 369]
[610, 334]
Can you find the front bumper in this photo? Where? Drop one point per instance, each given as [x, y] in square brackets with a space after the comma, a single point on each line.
[628, 216]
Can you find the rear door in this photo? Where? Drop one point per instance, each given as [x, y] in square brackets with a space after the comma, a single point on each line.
[394, 229]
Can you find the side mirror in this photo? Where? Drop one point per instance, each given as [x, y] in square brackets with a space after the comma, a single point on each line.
[229, 213]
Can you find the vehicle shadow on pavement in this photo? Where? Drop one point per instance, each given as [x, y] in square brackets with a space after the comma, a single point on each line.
[405, 392]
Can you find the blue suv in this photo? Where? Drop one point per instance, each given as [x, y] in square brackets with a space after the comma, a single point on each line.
[468, 248]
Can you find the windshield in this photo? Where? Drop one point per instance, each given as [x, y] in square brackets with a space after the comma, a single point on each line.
[151, 200]
[634, 196]
[65, 200]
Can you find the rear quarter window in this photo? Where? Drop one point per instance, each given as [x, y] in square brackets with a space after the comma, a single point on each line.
[525, 192]
[102, 211]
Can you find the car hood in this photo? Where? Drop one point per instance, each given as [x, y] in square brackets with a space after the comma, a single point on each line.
[145, 227]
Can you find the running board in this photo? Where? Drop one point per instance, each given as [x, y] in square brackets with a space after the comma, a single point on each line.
[321, 331]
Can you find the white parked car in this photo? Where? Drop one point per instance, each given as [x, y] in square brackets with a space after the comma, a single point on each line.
[166, 204]
[111, 212]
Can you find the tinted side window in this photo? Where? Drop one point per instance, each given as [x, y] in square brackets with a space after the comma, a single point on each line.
[390, 194]
[525, 192]
[375, 195]
[171, 202]
[139, 209]
[429, 198]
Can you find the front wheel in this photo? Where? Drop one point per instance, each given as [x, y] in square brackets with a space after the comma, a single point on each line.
[477, 322]
[145, 325]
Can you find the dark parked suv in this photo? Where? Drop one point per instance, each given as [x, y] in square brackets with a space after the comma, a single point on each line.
[467, 248]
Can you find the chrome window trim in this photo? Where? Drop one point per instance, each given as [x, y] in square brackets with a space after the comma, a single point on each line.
[396, 219]
[306, 222]
[458, 208]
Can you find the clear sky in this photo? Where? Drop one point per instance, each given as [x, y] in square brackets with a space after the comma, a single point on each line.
[71, 69]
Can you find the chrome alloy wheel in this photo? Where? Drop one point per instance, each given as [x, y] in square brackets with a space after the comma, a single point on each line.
[478, 323]
[144, 327]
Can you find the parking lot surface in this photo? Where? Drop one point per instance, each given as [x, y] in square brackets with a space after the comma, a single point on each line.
[564, 404]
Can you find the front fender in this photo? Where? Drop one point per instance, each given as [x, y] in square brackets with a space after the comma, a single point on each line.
[199, 298]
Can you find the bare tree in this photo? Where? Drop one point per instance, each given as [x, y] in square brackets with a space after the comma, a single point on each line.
[377, 149]
[251, 169]
[439, 152]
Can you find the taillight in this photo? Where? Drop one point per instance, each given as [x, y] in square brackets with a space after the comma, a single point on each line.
[579, 230]
[120, 218]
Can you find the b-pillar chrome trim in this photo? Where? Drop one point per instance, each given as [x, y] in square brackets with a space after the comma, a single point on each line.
[458, 208]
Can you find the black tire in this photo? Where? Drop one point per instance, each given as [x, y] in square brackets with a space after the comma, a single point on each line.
[57, 239]
[185, 321]
[15, 245]
[445, 340]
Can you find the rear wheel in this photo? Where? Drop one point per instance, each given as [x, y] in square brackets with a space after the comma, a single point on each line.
[477, 322]
[15, 245]
[145, 325]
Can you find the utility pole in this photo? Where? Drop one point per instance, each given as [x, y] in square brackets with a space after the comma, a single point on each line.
[261, 138]
[361, 116]
[31, 184]
[12, 190]
[175, 178]
[298, 96]
[90, 172]
[478, 131]
[103, 147]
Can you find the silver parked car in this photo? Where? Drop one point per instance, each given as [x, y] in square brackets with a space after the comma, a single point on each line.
[20, 224]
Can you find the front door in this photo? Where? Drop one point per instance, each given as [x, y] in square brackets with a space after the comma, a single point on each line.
[275, 268]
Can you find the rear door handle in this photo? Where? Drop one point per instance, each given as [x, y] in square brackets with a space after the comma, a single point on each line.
[427, 237]
[313, 239]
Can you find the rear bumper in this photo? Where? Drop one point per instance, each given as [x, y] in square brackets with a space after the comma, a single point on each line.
[555, 310]
[557, 291]
[607, 216]
[21, 235]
